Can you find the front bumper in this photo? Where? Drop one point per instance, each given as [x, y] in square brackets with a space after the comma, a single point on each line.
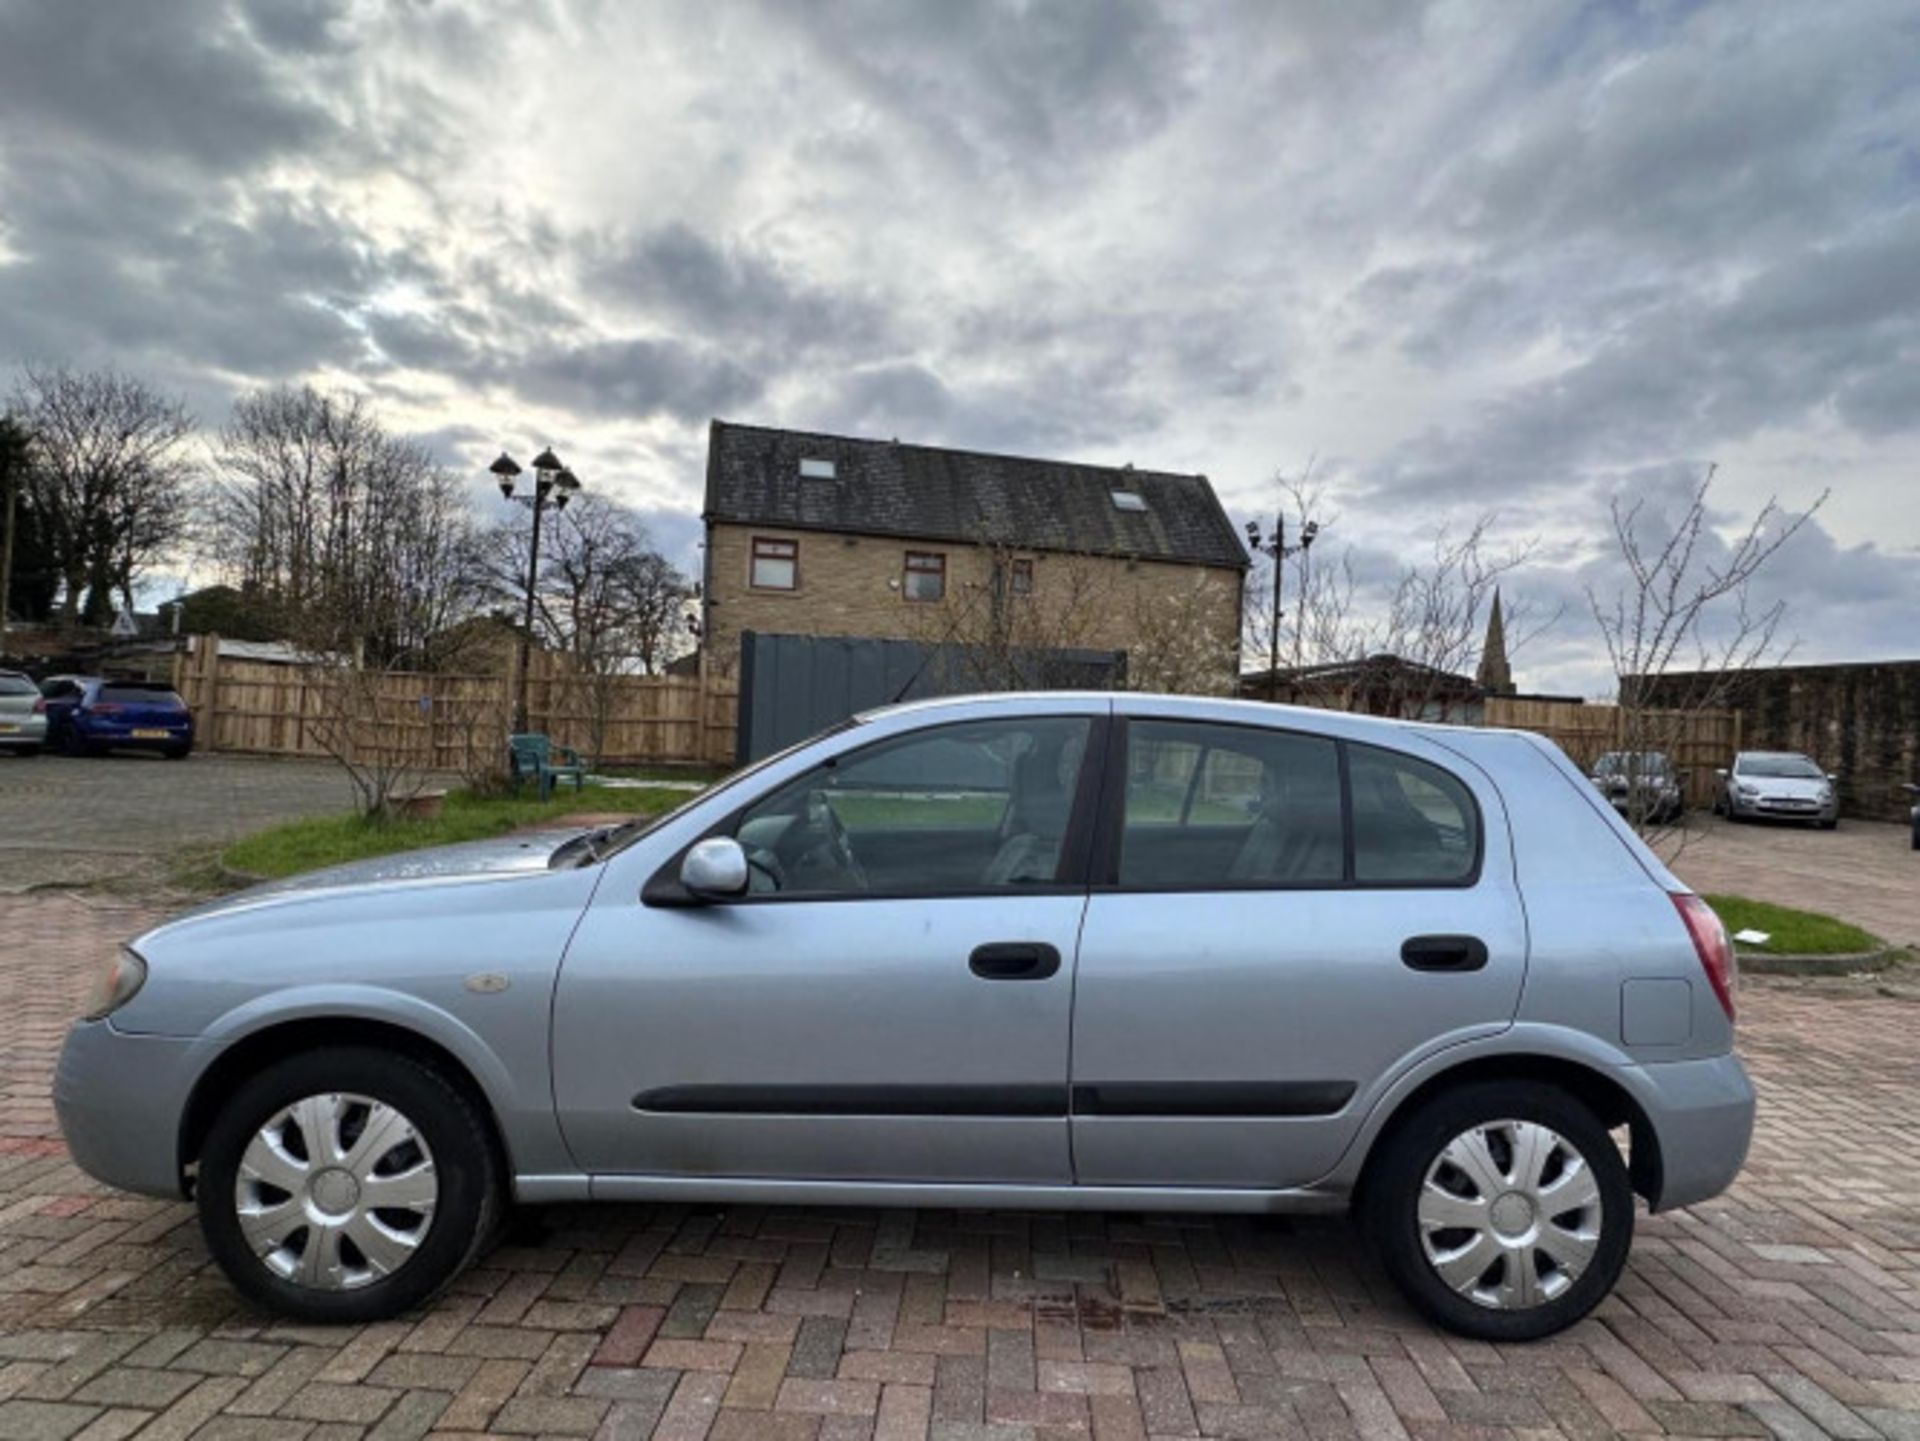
[120, 1099]
[1702, 1115]
[1783, 809]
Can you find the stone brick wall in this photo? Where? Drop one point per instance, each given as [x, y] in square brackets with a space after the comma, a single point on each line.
[854, 585]
[1860, 721]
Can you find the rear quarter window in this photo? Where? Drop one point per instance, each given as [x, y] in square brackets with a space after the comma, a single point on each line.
[17, 685]
[1414, 823]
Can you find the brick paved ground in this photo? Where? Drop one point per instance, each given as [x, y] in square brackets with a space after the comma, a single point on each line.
[1790, 1306]
[1866, 872]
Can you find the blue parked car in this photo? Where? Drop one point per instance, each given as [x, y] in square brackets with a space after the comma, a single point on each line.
[87, 715]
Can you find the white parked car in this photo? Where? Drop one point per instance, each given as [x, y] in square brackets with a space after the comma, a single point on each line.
[1780, 785]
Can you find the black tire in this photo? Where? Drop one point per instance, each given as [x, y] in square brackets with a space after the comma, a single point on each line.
[466, 1211]
[27, 753]
[178, 753]
[1394, 1184]
[1916, 835]
[1832, 825]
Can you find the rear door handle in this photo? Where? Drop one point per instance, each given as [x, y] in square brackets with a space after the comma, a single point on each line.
[1014, 961]
[1444, 953]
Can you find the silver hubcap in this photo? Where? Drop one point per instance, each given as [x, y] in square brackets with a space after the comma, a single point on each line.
[336, 1191]
[1509, 1214]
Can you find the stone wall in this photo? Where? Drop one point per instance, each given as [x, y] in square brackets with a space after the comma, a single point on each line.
[1159, 613]
[1860, 721]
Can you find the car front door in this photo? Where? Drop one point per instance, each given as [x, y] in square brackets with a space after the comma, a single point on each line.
[1279, 920]
[890, 1001]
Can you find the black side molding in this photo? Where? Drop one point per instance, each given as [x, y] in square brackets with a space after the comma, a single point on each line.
[1045, 1100]
[1212, 1098]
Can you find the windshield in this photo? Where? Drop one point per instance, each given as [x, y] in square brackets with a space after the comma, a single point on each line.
[620, 837]
[1795, 768]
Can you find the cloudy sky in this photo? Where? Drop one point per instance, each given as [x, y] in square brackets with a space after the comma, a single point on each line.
[1472, 257]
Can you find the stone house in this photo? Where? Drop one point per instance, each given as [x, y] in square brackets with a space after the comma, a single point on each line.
[826, 535]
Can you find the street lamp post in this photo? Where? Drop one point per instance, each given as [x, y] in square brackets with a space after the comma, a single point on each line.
[1275, 545]
[553, 482]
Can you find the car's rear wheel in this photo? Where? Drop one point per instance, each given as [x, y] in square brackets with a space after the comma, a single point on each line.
[347, 1184]
[1502, 1210]
[178, 753]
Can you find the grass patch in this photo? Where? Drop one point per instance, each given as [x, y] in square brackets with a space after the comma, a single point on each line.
[285, 850]
[1793, 933]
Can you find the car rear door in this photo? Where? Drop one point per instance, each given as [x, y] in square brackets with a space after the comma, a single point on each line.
[1246, 990]
[892, 1002]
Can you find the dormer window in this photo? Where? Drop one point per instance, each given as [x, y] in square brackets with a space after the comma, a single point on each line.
[1128, 500]
[812, 468]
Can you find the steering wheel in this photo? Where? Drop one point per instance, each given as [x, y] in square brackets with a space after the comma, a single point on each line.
[820, 811]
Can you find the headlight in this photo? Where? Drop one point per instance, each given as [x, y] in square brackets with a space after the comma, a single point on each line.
[116, 983]
[1749, 792]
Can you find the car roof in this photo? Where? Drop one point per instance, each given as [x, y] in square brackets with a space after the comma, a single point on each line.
[1215, 708]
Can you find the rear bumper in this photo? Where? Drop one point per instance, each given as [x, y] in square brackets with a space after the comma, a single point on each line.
[120, 1099]
[1702, 1115]
[24, 732]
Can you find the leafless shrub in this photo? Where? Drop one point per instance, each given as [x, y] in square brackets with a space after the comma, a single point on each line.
[1682, 627]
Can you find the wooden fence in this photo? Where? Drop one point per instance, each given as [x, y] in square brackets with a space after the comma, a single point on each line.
[444, 721]
[1699, 742]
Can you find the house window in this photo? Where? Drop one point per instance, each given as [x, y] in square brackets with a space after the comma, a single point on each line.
[1020, 578]
[1128, 500]
[926, 576]
[815, 469]
[776, 564]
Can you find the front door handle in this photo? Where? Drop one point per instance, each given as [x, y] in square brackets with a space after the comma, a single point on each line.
[1014, 961]
[1444, 953]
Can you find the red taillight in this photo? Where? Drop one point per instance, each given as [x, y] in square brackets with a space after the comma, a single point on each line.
[40, 705]
[108, 709]
[1710, 943]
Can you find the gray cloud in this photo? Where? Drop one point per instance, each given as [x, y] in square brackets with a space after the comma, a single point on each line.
[1474, 258]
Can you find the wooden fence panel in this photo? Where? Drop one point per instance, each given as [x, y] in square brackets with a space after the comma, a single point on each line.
[1699, 742]
[446, 721]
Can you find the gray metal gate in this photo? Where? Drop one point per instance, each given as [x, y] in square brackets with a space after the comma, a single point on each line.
[794, 686]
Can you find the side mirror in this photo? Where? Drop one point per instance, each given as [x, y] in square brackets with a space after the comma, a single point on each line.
[1834, 777]
[715, 869]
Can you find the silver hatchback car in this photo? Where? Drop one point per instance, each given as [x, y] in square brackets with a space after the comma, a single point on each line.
[1044, 950]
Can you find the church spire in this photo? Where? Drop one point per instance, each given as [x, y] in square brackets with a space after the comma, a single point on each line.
[1495, 676]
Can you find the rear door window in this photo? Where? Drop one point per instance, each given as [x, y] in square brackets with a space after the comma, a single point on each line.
[17, 685]
[1220, 805]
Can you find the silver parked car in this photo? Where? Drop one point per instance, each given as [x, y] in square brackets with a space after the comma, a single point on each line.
[23, 715]
[1054, 950]
[1782, 785]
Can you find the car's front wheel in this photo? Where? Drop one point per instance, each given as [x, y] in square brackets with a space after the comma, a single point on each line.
[346, 1185]
[1502, 1210]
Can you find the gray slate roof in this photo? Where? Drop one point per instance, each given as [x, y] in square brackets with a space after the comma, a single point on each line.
[920, 492]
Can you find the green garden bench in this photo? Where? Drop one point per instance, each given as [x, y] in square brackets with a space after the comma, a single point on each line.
[536, 757]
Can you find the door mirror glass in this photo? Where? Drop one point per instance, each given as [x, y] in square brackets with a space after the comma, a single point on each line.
[715, 869]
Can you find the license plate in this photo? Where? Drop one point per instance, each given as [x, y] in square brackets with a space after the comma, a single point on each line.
[7, 730]
[151, 735]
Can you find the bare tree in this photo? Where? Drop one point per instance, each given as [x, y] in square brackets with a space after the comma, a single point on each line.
[108, 479]
[1681, 628]
[333, 522]
[1403, 655]
[606, 603]
[1011, 620]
